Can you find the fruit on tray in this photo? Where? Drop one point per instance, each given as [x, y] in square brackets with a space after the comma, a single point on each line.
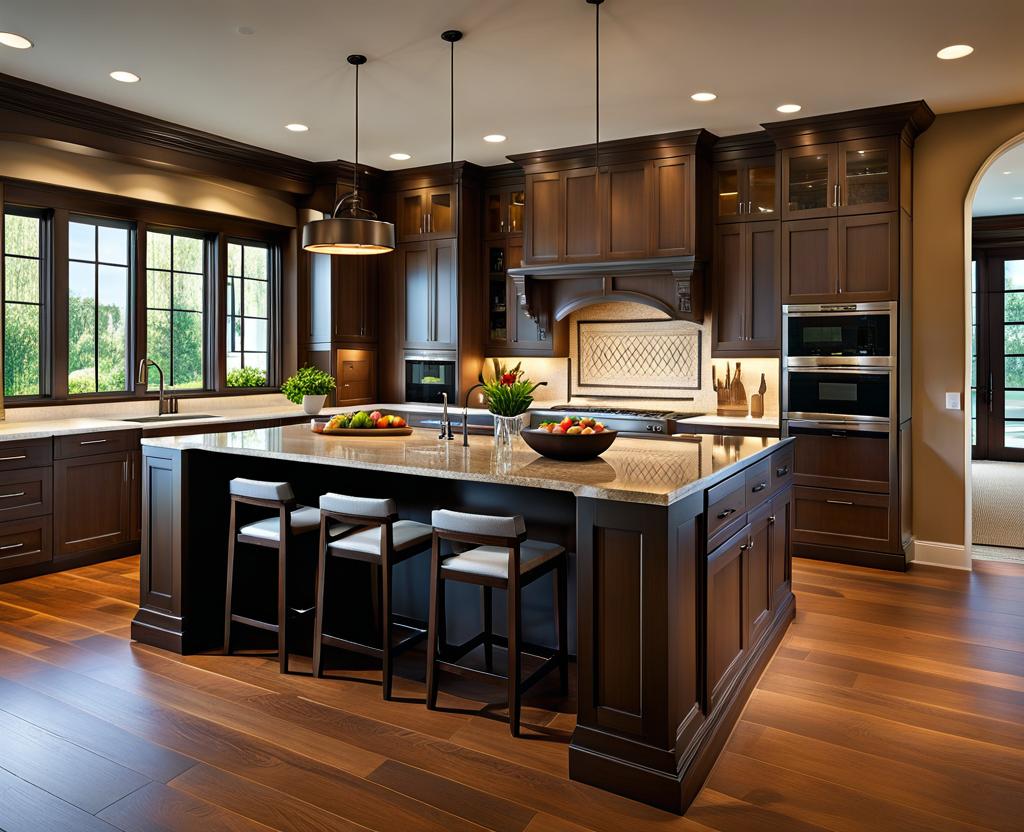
[574, 426]
[361, 420]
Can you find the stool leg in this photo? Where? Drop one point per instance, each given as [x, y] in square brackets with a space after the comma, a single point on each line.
[515, 663]
[432, 625]
[321, 579]
[375, 590]
[562, 623]
[230, 582]
[282, 602]
[385, 628]
[488, 616]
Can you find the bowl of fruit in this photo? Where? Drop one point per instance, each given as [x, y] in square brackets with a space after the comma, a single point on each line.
[361, 423]
[572, 438]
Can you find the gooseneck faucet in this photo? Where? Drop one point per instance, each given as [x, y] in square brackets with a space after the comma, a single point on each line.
[465, 416]
[446, 423]
[143, 378]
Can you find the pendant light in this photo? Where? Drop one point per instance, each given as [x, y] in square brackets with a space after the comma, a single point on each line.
[351, 229]
[451, 37]
[597, 81]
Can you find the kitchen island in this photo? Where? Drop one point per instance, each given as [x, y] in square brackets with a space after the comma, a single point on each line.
[680, 554]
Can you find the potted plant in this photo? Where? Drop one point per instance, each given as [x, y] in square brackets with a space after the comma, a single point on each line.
[509, 395]
[309, 387]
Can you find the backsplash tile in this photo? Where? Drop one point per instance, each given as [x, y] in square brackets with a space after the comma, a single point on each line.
[658, 357]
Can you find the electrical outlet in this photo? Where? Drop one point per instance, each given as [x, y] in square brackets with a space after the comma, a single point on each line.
[952, 401]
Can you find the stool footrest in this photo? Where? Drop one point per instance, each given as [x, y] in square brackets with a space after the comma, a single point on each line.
[253, 622]
[397, 647]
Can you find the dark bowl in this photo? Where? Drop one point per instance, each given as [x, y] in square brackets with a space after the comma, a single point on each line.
[562, 446]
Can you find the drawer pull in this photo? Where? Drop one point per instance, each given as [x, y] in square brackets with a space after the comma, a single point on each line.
[723, 514]
[761, 486]
[93, 442]
[11, 546]
[11, 458]
[771, 518]
[781, 472]
[13, 494]
[840, 502]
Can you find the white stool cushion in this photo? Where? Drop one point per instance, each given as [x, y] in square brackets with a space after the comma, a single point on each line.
[261, 490]
[487, 524]
[359, 506]
[492, 561]
[304, 519]
[404, 533]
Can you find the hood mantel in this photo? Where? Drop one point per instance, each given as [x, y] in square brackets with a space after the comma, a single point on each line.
[672, 285]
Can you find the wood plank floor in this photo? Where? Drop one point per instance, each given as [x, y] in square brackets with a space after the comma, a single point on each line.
[896, 702]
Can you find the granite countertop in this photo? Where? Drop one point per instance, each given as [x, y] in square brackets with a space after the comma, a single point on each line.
[632, 470]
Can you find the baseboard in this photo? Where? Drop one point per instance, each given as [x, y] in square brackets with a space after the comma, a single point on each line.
[948, 555]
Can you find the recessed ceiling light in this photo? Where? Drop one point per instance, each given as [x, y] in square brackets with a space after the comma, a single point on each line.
[1007, 172]
[1019, 197]
[15, 41]
[494, 138]
[788, 108]
[295, 127]
[703, 96]
[124, 76]
[957, 50]
[400, 157]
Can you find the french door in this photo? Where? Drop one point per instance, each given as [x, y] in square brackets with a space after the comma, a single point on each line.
[997, 378]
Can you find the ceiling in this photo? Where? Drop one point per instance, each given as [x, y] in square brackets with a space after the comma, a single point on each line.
[1001, 190]
[524, 68]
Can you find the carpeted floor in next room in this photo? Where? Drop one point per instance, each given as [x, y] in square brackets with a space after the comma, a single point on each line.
[997, 510]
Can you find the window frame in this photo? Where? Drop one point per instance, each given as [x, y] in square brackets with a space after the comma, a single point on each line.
[46, 296]
[58, 204]
[274, 330]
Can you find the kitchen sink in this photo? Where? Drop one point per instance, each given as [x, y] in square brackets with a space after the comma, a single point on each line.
[173, 417]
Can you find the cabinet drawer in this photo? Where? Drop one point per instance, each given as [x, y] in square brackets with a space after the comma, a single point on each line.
[355, 370]
[841, 459]
[782, 468]
[100, 442]
[726, 504]
[30, 454]
[758, 483]
[349, 390]
[25, 493]
[26, 542]
[850, 519]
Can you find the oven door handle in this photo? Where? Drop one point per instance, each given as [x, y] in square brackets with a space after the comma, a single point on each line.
[842, 368]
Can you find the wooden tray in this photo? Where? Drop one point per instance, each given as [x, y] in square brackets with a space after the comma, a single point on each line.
[366, 432]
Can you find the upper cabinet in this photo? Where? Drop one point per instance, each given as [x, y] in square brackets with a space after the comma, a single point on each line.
[504, 211]
[427, 213]
[355, 298]
[427, 275]
[745, 190]
[745, 292]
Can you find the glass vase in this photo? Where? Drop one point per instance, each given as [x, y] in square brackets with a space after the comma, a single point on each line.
[506, 431]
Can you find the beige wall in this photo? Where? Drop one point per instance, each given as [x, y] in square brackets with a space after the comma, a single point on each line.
[947, 159]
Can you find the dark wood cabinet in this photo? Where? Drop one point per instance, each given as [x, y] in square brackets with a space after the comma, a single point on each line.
[841, 178]
[757, 573]
[581, 215]
[504, 211]
[673, 203]
[726, 625]
[91, 503]
[135, 494]
[626, 208]
[745, 190]
[427, 284]
[810, 249]
[746, 292]
[846, 519]
[427, 213]
[780, 565]
[511, 329]
[354, 298]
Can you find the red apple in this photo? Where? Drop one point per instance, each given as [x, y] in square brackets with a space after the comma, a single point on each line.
[384, 422]
[397, 422]
[598, 428]
[587, 422]
[566, 423]
[558, 429]
[375, 416]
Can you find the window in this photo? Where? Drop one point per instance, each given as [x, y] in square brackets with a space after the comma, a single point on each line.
[24, 258]
[176, 274]
[99, 290]
[248, 325]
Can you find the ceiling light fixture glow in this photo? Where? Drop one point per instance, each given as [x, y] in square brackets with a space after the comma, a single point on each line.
[124, 76]
[494, 138]
[295, 127]
[1007, 172]
[1019, 197]
[703, 96]
[957, 50]
[14, 41]
[788, 108]
[400, 157]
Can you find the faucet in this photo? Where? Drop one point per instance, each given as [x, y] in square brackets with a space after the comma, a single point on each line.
[143, 378]
[446, 423]
[465, 415]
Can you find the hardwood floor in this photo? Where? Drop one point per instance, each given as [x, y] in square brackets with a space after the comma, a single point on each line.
[896, 702]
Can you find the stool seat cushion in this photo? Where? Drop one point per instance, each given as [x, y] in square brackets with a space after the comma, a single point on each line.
[492, 561]
[404, 533]
[358, 506]
[487, 524]
[260, 489]
[304, 519]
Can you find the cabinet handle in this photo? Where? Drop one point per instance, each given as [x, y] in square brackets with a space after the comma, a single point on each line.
[743, 547]
[750, 544]
[835, 196]
[11, 546]
[781, 472]
[771, 519]
[10, 458]
[748, 206]
[840, 502]
[12, 494]
[838, 435]
[761, 486]
[723, 514]
[93, 442]
[430, 223]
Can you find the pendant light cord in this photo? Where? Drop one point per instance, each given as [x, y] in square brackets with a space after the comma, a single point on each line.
[597, 85]
[355, 169]
[451, 146]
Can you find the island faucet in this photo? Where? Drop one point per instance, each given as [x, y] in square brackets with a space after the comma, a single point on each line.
[143, 378]
[446, 423]
[465, 415]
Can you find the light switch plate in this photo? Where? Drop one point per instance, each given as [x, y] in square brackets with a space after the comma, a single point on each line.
[952, 401]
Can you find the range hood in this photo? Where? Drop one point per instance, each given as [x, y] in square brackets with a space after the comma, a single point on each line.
[672, 285]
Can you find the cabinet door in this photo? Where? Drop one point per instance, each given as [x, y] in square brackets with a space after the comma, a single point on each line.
[729, 202]
[780, 557]
[672, 221]
[730, 288]
[760, 189]
[581, 215]
[494, 213]
[869, 175]
[414, 285]
[726, 624]
[91, 506]
[544, 213]
[355, 307]
[756, 573]
[626, 205]
[809, 182]
[498, 293]
[442, 212]
[809, 272]
[135, 494]
[515, 210]
[443, 294]
[412, 215]
[764, 307]
[869, 257]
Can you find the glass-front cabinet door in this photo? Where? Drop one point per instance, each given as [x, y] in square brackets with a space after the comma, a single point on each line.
[516, 207]
[761, 190]
[497, 294]
[809, 182]
[441, 212]
[869, 175]
[728, 200]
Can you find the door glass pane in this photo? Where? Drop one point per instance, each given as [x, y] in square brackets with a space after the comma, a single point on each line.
[761, 189]
[867, 176]
[22, 304]
[493, 214]
[441, 214]
[728, 193]
[175, 307]
[516, 206]
[1013, 433]
[1013, 274]
[1013, 339]
[808, 182]
[1013, 307]
[1014, 372]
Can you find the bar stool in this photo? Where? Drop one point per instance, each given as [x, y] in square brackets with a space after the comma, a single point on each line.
[368, 530]
[496, 555]
[278, 532]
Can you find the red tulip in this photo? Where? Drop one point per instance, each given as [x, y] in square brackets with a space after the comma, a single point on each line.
[508, 379]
